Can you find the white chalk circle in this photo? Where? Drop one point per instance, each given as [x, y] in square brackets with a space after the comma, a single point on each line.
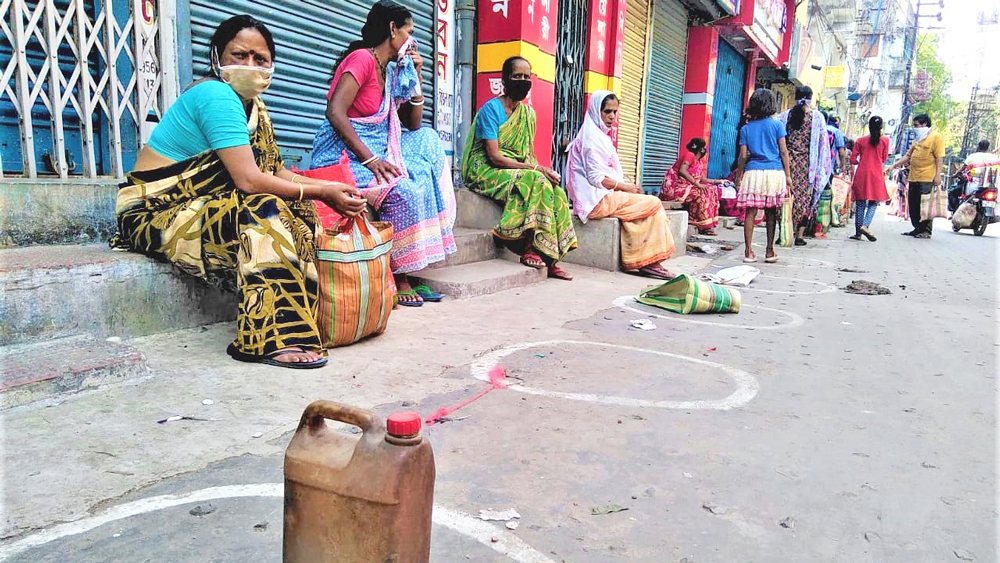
[494, 537]
[826, 287]
[629, 303]
[746, 384]
[784, 259]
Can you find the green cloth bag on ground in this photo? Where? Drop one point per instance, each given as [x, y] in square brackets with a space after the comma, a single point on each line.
[685, 294]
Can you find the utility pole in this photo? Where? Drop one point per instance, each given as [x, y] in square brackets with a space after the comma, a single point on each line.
[907, 107]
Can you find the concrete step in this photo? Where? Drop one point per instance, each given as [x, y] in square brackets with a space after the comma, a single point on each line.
[478, 278]
[45, 211]
[55, 291]
[599, 241]
[474, 245]
[49, 369]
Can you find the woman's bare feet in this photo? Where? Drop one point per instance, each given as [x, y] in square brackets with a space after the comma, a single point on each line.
[295, 355]
[656, 271]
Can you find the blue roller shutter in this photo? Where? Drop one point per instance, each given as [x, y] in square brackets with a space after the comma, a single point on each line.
[664, 91]
[309, 37]
[727, 106]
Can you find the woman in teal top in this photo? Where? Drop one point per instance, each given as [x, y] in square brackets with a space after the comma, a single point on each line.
[209, 193]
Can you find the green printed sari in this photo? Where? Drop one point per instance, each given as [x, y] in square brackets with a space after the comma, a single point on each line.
[533, 209]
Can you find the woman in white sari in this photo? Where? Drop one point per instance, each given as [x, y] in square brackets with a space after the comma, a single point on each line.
[599, 189]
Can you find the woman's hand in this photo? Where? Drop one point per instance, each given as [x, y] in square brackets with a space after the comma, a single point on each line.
[345, 199]
[550, 174]
[631, 188]
[418, 61]
[384, 171]
[788, 182]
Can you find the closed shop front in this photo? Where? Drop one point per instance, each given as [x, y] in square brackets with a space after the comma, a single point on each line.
[664, 91]
[635, 62]
[309, 36]
[730, 91]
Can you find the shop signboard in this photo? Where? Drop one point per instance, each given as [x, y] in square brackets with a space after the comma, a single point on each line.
[769, 25]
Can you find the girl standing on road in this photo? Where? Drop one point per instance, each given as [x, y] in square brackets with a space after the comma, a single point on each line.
[809, 151]
[763, 173]
[869, 154]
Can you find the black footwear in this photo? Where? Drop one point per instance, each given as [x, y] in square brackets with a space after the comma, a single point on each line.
[868, 235]
[923, 235]
[855, 237]
[270, 360]
[912, 233]
[800, 242]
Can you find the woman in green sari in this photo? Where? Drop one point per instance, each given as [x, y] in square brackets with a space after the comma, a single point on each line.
[499, 164]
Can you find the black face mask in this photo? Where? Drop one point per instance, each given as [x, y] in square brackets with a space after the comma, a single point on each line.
[517, 90]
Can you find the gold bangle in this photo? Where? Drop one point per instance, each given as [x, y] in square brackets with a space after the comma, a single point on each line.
[294, 176]
[302, 190]
[535, 168]
[616, 185]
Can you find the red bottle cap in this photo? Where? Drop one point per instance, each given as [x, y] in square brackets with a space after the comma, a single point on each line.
[403, 424]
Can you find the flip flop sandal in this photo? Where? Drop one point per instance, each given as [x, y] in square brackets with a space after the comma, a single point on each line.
[427, 294]
[559, 274]
[409, 293]
[708, 233]
[750, 260]
[532, 260]
[771, 259]
[269, 359]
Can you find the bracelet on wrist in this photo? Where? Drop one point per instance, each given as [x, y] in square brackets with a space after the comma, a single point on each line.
[302, 190]
[416, 102]
[370, 160]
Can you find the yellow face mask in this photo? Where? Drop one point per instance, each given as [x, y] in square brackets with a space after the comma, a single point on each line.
[247, 81]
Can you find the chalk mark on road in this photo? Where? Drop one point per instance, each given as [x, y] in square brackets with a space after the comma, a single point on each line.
[828, 288]
[506, 543]
[627, 302]
[747, 386]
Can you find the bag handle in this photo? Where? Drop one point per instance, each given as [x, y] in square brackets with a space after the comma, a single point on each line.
[319, 411]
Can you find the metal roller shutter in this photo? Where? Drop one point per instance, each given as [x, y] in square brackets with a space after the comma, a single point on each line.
[634, 64]
[727, 107]
[664, 91]
[309, 37]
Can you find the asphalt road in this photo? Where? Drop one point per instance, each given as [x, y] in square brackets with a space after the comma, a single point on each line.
[813, 426]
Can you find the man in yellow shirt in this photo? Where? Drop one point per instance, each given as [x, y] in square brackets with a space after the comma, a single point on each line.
[925, 158]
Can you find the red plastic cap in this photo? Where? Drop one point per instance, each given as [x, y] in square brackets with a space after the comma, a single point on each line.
[403, 424]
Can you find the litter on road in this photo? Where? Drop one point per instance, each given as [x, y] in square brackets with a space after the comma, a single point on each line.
[490, 515]
[175, 418]
[607, 509]
[714, 508]
[863, 287]
[643, 324]
[740, 276]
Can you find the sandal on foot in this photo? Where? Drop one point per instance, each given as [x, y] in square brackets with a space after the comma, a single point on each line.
[559, 274]
[750, 259]
[771, 259]
[855, 237]
[800, 242]
[532, 260]
[656, 272]
[868, 235]
[427, 294]
[269, 359]
[412, 303]
[707, 232]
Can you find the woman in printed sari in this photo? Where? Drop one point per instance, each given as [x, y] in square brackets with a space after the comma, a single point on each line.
[209, 194]
[499, 164]
[809, 151]
[685, 182]
[376, 92]
[598, 188]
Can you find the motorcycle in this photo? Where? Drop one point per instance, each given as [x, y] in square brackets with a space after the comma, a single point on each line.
[983, 205]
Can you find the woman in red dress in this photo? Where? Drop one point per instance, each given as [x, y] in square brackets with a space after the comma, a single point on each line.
[685, 182]
[869, 154]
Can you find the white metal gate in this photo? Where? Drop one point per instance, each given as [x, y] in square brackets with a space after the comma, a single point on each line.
[99, 62]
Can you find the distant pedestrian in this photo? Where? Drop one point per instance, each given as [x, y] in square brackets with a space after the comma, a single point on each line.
[925, 159]
[869, 155]
[809, 151]
[763, 174]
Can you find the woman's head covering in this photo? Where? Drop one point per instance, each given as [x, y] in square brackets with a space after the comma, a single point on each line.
[592, 157]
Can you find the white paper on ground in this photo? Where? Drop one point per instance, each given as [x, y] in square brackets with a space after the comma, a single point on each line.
[740, 276]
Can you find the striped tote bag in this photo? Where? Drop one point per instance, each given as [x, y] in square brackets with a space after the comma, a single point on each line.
[356, 289]
[686, 294]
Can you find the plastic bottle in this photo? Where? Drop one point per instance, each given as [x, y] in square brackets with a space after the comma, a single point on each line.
[351, 499]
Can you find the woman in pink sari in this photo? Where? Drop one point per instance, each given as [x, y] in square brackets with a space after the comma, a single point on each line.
[685, 182]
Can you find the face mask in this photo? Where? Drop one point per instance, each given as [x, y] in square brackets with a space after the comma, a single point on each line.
[921, 132]
[248, 81]
[517, 90]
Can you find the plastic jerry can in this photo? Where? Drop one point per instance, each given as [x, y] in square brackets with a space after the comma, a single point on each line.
[358, 499]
